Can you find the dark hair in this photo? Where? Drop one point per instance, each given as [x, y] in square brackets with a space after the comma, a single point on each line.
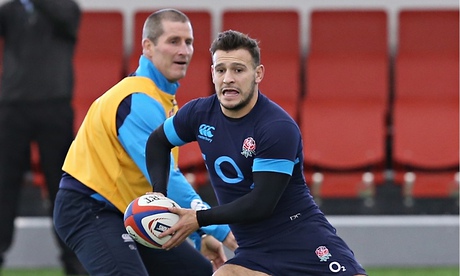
[153, 27]
[233, 40]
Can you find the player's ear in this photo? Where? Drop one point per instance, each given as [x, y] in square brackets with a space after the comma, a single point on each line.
[212, 71]
[147, 47]
[260, 71]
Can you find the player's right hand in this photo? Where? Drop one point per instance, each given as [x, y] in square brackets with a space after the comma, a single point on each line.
[186, 225]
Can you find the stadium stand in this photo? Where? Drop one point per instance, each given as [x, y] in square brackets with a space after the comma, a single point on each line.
[279, 39]
[343, 114]
[426, 104]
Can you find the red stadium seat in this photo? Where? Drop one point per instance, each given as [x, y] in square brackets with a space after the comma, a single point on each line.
[343, 114]
[99, 58]
[428, 184]
[279, 39]
[343, 185]
[426, 105]
[197, 82]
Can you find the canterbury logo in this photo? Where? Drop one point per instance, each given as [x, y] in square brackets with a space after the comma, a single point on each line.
[206, 132]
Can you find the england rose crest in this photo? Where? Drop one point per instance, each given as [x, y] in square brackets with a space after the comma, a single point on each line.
[249, 147]
[323, 253]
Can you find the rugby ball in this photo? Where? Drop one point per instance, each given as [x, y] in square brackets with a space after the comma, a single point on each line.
[148, 216]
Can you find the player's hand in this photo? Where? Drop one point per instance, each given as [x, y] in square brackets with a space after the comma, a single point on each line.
[213, 250]
[230, 241]
[186, 225]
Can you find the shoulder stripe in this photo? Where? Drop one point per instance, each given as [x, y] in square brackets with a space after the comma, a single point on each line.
[171, 133]
[273, 165]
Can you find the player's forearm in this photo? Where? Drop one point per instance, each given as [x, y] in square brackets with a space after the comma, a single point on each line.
[157, 156]
[268, 188]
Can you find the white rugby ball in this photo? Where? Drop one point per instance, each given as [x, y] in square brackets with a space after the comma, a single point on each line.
[148, 216]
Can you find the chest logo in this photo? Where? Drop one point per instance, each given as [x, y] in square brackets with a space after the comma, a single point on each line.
[249, 147]
[206, 132]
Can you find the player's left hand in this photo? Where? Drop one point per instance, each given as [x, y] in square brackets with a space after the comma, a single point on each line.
[213, 250]
[186, 225]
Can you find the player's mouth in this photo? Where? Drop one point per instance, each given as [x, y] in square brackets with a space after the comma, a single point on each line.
[180, 63]
[230, 91]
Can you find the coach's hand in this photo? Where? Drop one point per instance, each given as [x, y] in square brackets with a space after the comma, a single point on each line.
[213, 250]
[230, 242]
[186, 225]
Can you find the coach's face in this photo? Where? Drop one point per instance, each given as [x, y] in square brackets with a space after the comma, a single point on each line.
[236, 80]
[173, 51]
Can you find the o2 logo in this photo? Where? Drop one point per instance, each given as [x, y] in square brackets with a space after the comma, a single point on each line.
[239, 174]
[336, 267]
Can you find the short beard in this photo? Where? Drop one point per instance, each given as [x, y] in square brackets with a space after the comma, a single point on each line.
[244, 102]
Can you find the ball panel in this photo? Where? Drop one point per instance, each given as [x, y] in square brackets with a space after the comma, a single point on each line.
[134, 234]
[128, 211]
[134, 222]
[147, 217]
[157, 224]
